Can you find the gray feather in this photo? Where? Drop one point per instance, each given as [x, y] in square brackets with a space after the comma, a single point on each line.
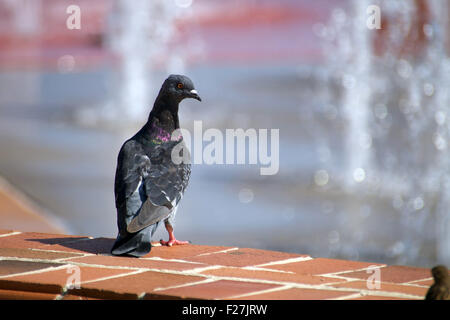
[148, 215]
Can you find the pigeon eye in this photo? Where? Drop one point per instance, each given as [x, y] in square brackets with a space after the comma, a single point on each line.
[180, 86]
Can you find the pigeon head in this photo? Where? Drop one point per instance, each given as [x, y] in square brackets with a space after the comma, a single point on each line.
[439, 273]
[178, 87]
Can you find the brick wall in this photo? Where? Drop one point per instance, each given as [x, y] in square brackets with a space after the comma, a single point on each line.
[54, 266]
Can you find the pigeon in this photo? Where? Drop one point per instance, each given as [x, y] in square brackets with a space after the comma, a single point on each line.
[148, 184]
[440, 289]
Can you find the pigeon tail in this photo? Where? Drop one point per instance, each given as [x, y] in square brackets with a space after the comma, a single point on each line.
[134, 244]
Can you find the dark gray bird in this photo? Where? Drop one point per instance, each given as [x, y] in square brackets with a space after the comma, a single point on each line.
[440, 289]
[148, 184]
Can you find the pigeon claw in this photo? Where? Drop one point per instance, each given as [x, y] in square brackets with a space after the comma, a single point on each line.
[173, 242]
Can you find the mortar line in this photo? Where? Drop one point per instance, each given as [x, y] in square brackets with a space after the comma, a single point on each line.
[215, 252]
[13, 233]
[201, 269]
[30, 260]
[185, 284]
[285, 287]
[285, 261]
[266, 269]
[337, 274]
[68, 288]
[76, 257]
[347, 297]
[170, 260]
[211, 278]
[33, 272]
[412, 282]
[55, 251]
[318, 287]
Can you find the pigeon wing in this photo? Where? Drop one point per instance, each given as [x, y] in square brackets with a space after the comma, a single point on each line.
[130, 189]
[164, 183]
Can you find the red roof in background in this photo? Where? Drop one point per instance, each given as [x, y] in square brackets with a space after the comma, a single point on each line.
[228, 32]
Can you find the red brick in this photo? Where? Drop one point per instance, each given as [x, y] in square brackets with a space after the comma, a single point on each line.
[182, 252]
[322, 266]
[220, 289]
[132, 286]
[244, 257]
[269, 275]
[413, 290]
[297, 294]
[137, 263]
[371, 297]
[4, 231]
[54, 281]
[25, 295]
[395, 274]
[73, 297]
[34, 254]
[93, 246]
[426, 283]
[36, 240]
[9, 267]
[46, 282]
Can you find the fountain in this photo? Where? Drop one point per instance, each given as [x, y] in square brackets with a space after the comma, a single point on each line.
[395, 102]
[139, 35]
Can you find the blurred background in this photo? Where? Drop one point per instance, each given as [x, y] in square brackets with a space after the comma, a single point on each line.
[363, 117]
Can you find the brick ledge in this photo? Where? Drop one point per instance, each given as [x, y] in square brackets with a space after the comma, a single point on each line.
[42, 266]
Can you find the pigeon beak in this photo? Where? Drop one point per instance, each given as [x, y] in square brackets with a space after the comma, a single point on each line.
[194, 94]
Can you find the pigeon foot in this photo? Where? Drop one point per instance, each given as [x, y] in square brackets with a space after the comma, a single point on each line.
[172, 242]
